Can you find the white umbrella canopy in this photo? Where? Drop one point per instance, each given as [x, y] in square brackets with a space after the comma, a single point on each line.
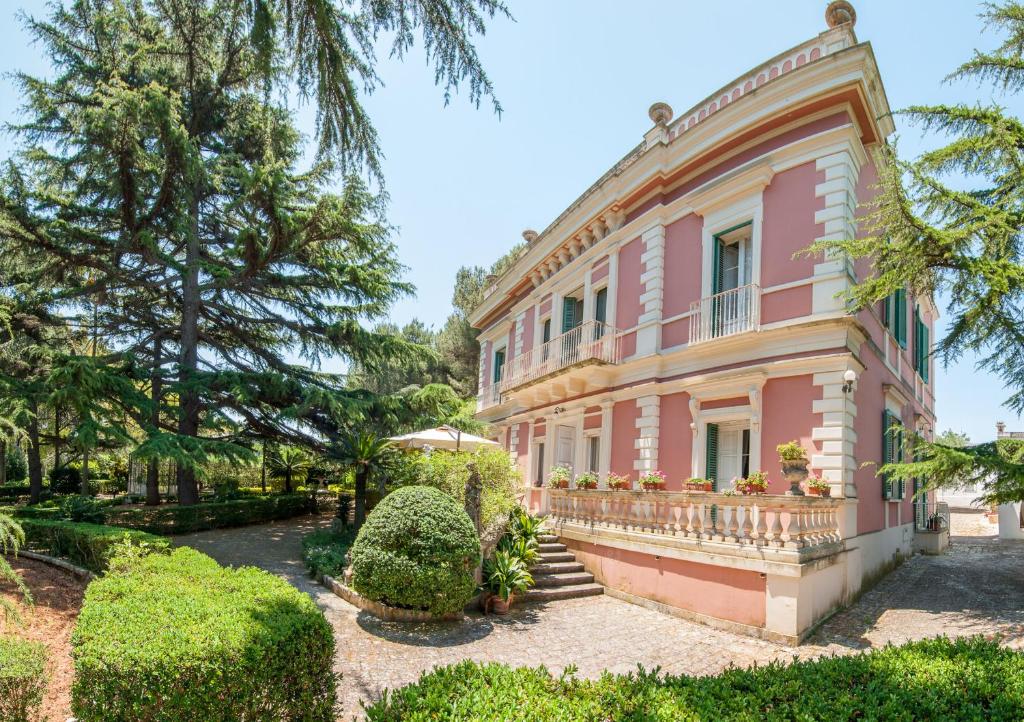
[443, 437]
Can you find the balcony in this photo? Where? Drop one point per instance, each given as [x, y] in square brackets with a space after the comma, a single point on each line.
[728, 313]
[488, 396]
[563, 365]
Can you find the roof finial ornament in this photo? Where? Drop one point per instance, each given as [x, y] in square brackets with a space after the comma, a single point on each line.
[529, 235]
[840, 12]
[660, 113]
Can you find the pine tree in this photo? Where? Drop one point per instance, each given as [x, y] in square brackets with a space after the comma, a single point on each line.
[952, 221]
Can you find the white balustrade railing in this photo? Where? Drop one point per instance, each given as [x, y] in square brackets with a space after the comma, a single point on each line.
[726, 313]
[784, 522]
[590, 341]
[488, 396]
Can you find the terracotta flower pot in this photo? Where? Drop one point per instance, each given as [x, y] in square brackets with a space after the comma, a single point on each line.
[654, 487]
[818, 492]
[690, 486]
[501, 606]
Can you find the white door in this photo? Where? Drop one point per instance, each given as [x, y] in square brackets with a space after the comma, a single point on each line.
[733, 454]
[566, 447]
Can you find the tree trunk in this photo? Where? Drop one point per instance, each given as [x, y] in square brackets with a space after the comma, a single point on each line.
[3, 461]
[263, 469]
[361, 474]
[288, 481]
[188, 408]
[35, 462]
[56, 436]
[153, 465]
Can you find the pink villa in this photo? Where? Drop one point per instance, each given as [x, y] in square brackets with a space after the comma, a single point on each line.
[667, 321]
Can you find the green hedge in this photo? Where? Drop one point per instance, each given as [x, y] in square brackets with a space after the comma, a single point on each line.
[175, 519]
[22, 679]
[88, 545]
[936, 679]
[417, 550]
[178, 637]
[324, 551]
[12, 491]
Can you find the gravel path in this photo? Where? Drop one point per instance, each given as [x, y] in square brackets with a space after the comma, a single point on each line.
[978, 587]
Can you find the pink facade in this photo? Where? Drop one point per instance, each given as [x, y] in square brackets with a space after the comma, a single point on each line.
[704, 336]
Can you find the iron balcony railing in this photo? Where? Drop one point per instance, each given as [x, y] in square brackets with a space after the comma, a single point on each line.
[591, 341]
[725, 314]
[488, 396]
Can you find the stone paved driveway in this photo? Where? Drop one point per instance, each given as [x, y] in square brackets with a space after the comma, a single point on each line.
[976, 588]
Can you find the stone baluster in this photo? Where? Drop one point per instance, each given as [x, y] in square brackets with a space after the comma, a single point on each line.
[732, 525]
[761, 534]
[747, 527]
[792, 537]
[720, 524]
[707, 524]
[776, 535]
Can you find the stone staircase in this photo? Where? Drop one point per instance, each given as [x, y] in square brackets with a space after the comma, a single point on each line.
[558, 575]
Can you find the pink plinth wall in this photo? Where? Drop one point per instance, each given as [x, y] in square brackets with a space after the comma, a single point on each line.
[732, 594]
[787, 415]
[624, 435]
[675, 440]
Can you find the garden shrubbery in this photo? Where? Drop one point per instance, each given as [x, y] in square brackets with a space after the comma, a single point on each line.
[178, 637]
[88, 545]
[13, 491]
[175, 519]
[22, 679]
[937, 679]
[417, 550]
[324, 551]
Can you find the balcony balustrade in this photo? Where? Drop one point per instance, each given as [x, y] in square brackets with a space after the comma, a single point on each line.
[726, 314]
[719, 521]
[488, 396]
[590, 342]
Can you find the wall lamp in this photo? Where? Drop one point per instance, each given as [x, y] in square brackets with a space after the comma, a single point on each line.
[559, 410]
[848, 378]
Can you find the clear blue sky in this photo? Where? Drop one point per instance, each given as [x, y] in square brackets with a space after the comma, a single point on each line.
[575, 78]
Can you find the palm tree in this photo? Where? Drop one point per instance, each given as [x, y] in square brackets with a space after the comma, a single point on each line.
[11, 540]
[365, 454]
[288, 462]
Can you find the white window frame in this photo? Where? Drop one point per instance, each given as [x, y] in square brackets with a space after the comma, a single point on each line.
[747, 209]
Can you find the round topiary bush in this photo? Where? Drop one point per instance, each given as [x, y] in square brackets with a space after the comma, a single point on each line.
[417, 550]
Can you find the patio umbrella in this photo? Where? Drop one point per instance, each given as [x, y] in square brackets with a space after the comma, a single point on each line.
[443, 437]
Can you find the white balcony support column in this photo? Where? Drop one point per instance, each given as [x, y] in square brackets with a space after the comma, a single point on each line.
[838, 220]
[613, 286]
[579, 461]
[652, 279]
[607, 409]
[550, 439]
[530, 460]
[648, 424]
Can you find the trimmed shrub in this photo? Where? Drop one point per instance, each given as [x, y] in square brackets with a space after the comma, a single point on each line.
[82, 508]
[179, 637]
[65, 480]
[22, 679]
[417, 550]
[175, 519]
[88, 545]
[324, 551]
[936, 679]
[13, 491]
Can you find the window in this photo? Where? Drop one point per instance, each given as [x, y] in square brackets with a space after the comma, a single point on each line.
[594, 453]
[499, 364]
[600, 312]
[894, 315]
[545, 337]
[922, 340]
[733, 258]
[572, 313]
[539, 470]
[892, 452]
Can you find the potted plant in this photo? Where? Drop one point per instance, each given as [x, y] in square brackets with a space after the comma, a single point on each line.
[756, 483]
[587, 480]
[505, 575]
[818, 487]
[935, 522]
[558, 477]
[653, 481]
[619, 482]
[697, 484]
[793, 458]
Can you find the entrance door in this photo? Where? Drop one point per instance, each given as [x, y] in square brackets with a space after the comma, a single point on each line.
[733, 454]
[566, 447]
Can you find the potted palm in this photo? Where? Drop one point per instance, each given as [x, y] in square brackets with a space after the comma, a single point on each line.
[793, 458]
[619, 482]
[696, 484]
[506, 574]
[653, 481]
[586, 481]
[558, 477]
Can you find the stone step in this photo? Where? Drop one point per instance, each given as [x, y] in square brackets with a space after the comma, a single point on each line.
[569, 591]
[547, 538]
[557, 557]
[552, 547]
[556, 567]
[562, 580]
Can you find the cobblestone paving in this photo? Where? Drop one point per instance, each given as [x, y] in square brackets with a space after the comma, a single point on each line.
[978, 587]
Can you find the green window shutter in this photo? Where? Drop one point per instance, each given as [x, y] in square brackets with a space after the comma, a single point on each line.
[717, 272]
[901, 317]
[601, 305]
[899, 457]
[917, 338]
[886, 452]
[711, 456]
[925, 351]
[568, 314]
[499, 364]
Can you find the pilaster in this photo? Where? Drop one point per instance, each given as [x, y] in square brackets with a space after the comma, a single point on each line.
[648, 425]
[838, 217]
[652, 288]
[836, 435]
